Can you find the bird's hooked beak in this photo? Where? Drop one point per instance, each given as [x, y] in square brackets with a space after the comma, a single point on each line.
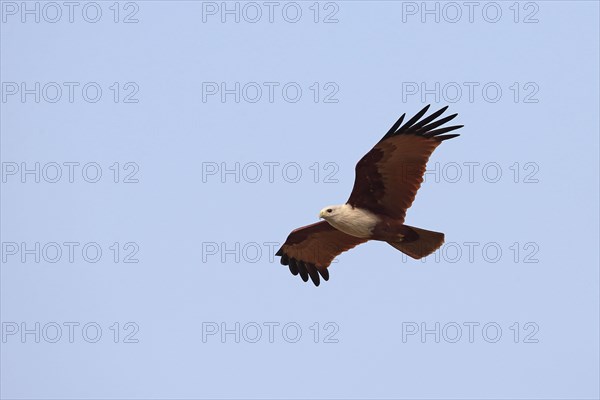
[322, 214]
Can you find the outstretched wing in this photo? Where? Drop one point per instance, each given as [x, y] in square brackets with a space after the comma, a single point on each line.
[309, 250]
[388, 176]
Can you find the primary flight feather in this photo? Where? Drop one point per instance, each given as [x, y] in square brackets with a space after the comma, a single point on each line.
[385, 186]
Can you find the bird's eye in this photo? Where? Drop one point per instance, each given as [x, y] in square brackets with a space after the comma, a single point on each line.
[329, 210]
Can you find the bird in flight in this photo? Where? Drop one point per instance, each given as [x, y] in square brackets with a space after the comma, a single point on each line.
[386, 183]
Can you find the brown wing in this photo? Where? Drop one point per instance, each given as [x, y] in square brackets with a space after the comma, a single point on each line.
[309, 250]
[388, 176]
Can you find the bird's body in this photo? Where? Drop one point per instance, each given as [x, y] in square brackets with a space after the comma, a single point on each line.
[364, 224]
[387, 180]
[353, 221]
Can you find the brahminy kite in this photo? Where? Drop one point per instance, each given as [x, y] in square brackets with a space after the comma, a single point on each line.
[386, 183]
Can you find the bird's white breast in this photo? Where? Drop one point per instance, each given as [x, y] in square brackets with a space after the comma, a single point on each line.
[354, 221]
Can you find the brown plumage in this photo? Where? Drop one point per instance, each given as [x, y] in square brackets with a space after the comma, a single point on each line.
[315, 246]
[386, 183]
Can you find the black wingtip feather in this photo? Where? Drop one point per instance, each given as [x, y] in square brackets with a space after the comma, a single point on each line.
[442, 130]
[293, 266]
[427, 120]
[303, 272]
[324, 273]
[304, 269]
[414, 119]
[312, 272]
[395, 126]
[437, 123]
[284, 259]
[424, 127]
[446, 137]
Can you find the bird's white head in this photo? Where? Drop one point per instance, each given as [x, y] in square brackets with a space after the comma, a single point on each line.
[330, 212]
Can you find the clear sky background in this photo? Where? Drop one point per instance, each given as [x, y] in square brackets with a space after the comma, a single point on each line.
[508, 308]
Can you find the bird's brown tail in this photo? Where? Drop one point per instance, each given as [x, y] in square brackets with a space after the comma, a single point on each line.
[425, 244]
